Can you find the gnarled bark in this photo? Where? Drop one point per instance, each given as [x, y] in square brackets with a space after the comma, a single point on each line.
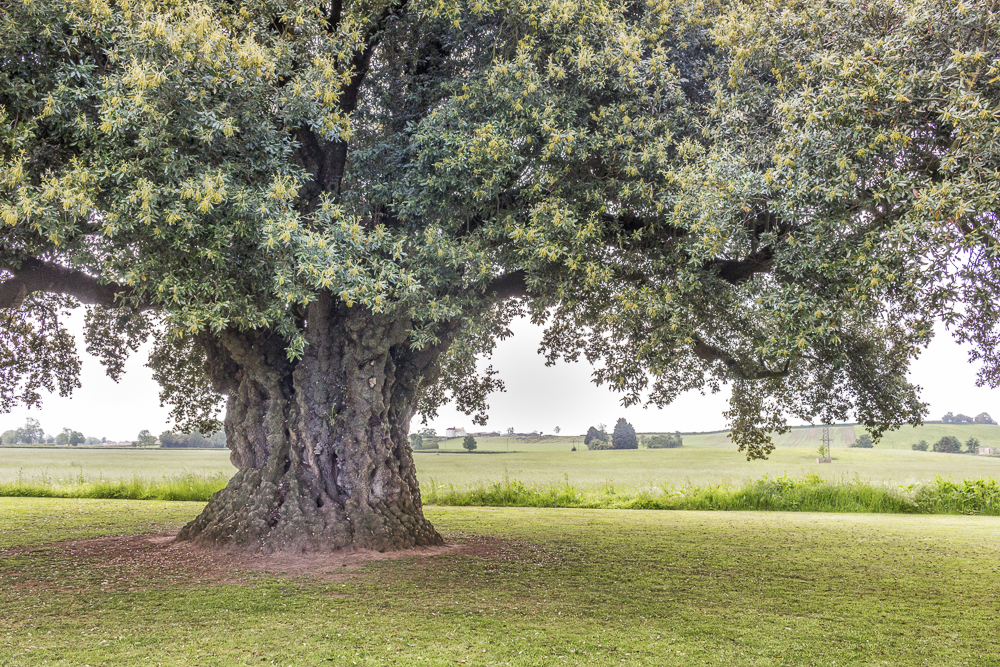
[320, 444]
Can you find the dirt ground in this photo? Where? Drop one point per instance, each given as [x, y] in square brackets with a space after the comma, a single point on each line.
[133, 562]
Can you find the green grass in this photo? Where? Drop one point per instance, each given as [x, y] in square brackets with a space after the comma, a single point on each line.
[647, 471]
[810, 494]
[73, 465]
[634, 475]
[577, 587]
[187, 487]
[804, 437]
[34, 521]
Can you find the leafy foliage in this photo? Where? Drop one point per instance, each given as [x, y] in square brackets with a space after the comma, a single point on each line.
[779, 196]
[469, 443]
[593, 435]
[949, 444]
[169, 439]
[663, 441]
[623, 437]
[863, 441]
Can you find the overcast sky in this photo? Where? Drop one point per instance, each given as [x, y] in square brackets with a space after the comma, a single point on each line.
[537, 398]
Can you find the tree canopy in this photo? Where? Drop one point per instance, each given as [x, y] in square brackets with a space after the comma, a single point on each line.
[779, 195]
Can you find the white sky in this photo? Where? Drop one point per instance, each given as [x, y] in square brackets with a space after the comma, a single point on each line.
[537, 398]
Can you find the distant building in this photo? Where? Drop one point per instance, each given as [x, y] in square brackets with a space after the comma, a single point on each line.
[988, 451]
[455, 432]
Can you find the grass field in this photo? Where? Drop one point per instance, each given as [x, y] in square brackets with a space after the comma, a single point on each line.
[701, 461]
[542, 587]
[799, 437]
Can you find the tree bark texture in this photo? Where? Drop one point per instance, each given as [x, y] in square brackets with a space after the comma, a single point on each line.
[321, 443]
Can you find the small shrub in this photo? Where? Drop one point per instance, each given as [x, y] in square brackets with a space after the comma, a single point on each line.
[599, 445]
[864, 441]
[920, 446]
[949, 444]
[664, 441]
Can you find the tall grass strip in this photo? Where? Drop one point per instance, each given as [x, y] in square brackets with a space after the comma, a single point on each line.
[785, 494]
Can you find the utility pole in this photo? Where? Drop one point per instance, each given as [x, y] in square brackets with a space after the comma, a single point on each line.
[827, 453]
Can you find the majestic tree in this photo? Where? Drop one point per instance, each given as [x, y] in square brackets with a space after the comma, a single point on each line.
[325, 210]
[623, 437]
[469, 443]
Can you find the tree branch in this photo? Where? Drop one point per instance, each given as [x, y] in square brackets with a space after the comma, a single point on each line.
[37, 276]
[712, 353]
[327, 160]
[509, 286]
[736, 271]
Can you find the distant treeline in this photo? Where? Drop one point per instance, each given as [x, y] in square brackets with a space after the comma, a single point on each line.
[170, 439]
[981, 418]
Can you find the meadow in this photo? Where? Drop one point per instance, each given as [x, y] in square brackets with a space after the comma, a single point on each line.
[524, 587]
[545, 466]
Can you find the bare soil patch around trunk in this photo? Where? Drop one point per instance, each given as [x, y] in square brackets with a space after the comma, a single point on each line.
[137, 562]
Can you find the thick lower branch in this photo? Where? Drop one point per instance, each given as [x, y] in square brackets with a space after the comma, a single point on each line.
[37, 276]
[712, 353]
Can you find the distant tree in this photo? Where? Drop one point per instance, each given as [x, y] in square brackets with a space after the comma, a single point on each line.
[972, 445]
[91, 440]
[510, 431]
[31, 432]
[664, 441]
[595, 434]
[864, 441]
[168, 439]
[556, 430]
[963, 419]
[145, 439]
[103, 440]
[920, 446]
[9, 437]
[597, 444]
[949, 444]
[624, 436]
[63, 438]
[469, 443]
[416, 441]
[984, 418]
[427, 433]
[74, 438]
[949, 418]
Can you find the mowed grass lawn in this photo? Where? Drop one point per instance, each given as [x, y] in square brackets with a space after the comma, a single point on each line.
[545, 587]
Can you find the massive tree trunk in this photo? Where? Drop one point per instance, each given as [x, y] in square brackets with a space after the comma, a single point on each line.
[321, 443]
